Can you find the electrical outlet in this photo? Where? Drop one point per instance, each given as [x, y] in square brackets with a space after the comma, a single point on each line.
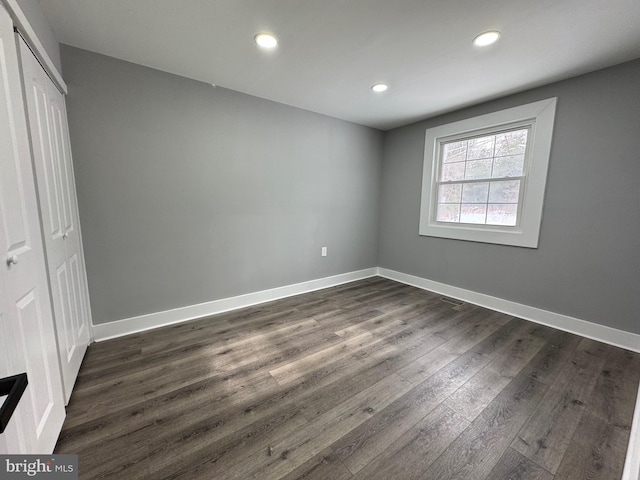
[324, 251]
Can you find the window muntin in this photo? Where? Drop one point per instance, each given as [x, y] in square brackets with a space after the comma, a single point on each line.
[480, 178]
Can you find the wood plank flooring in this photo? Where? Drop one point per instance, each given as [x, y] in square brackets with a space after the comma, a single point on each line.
[371, 380]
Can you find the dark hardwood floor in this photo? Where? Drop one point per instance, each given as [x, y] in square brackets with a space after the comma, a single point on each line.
[368, 380]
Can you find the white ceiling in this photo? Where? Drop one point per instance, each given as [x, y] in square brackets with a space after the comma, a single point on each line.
[332, 51]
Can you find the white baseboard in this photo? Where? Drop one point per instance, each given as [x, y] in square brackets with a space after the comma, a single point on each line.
[601, 333]
[118, 328]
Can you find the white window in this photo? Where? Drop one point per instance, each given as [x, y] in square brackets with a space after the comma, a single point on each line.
[484, 177]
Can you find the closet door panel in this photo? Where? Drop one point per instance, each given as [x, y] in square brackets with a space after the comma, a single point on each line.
[54, 174]
[40, 365]
[78, 293]
[63, 307]
[43, 150]
[48, 174]
[62, 160]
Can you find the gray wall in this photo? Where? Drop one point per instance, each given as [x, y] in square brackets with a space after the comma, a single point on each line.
[588, 261]
[190, 193]
[33, 11]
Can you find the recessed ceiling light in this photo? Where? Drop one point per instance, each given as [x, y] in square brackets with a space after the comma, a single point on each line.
[266, 40]
[379, 87]
[486, 38]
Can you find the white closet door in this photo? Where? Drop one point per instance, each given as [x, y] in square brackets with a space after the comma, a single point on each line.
[54, 174]
[27, 335]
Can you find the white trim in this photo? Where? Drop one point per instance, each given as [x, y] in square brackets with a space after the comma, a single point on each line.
[632, 464]
[105, 331]
[601, 333]
[31, 38]
[539, 117]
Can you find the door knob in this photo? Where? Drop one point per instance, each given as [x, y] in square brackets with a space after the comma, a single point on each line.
[13, 259]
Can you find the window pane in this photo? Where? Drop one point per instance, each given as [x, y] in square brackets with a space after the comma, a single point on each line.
[475, 192]
[455, 152]
[508, 166]
[473, 213]
[452, 171]
[493, 157]
[449, 193]
[504, 192]
[511, 143]
[448, 213]
[505, 214]
[480, 148]
[478, 169]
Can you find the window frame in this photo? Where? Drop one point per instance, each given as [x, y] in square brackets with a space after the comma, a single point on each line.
[539, 118]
